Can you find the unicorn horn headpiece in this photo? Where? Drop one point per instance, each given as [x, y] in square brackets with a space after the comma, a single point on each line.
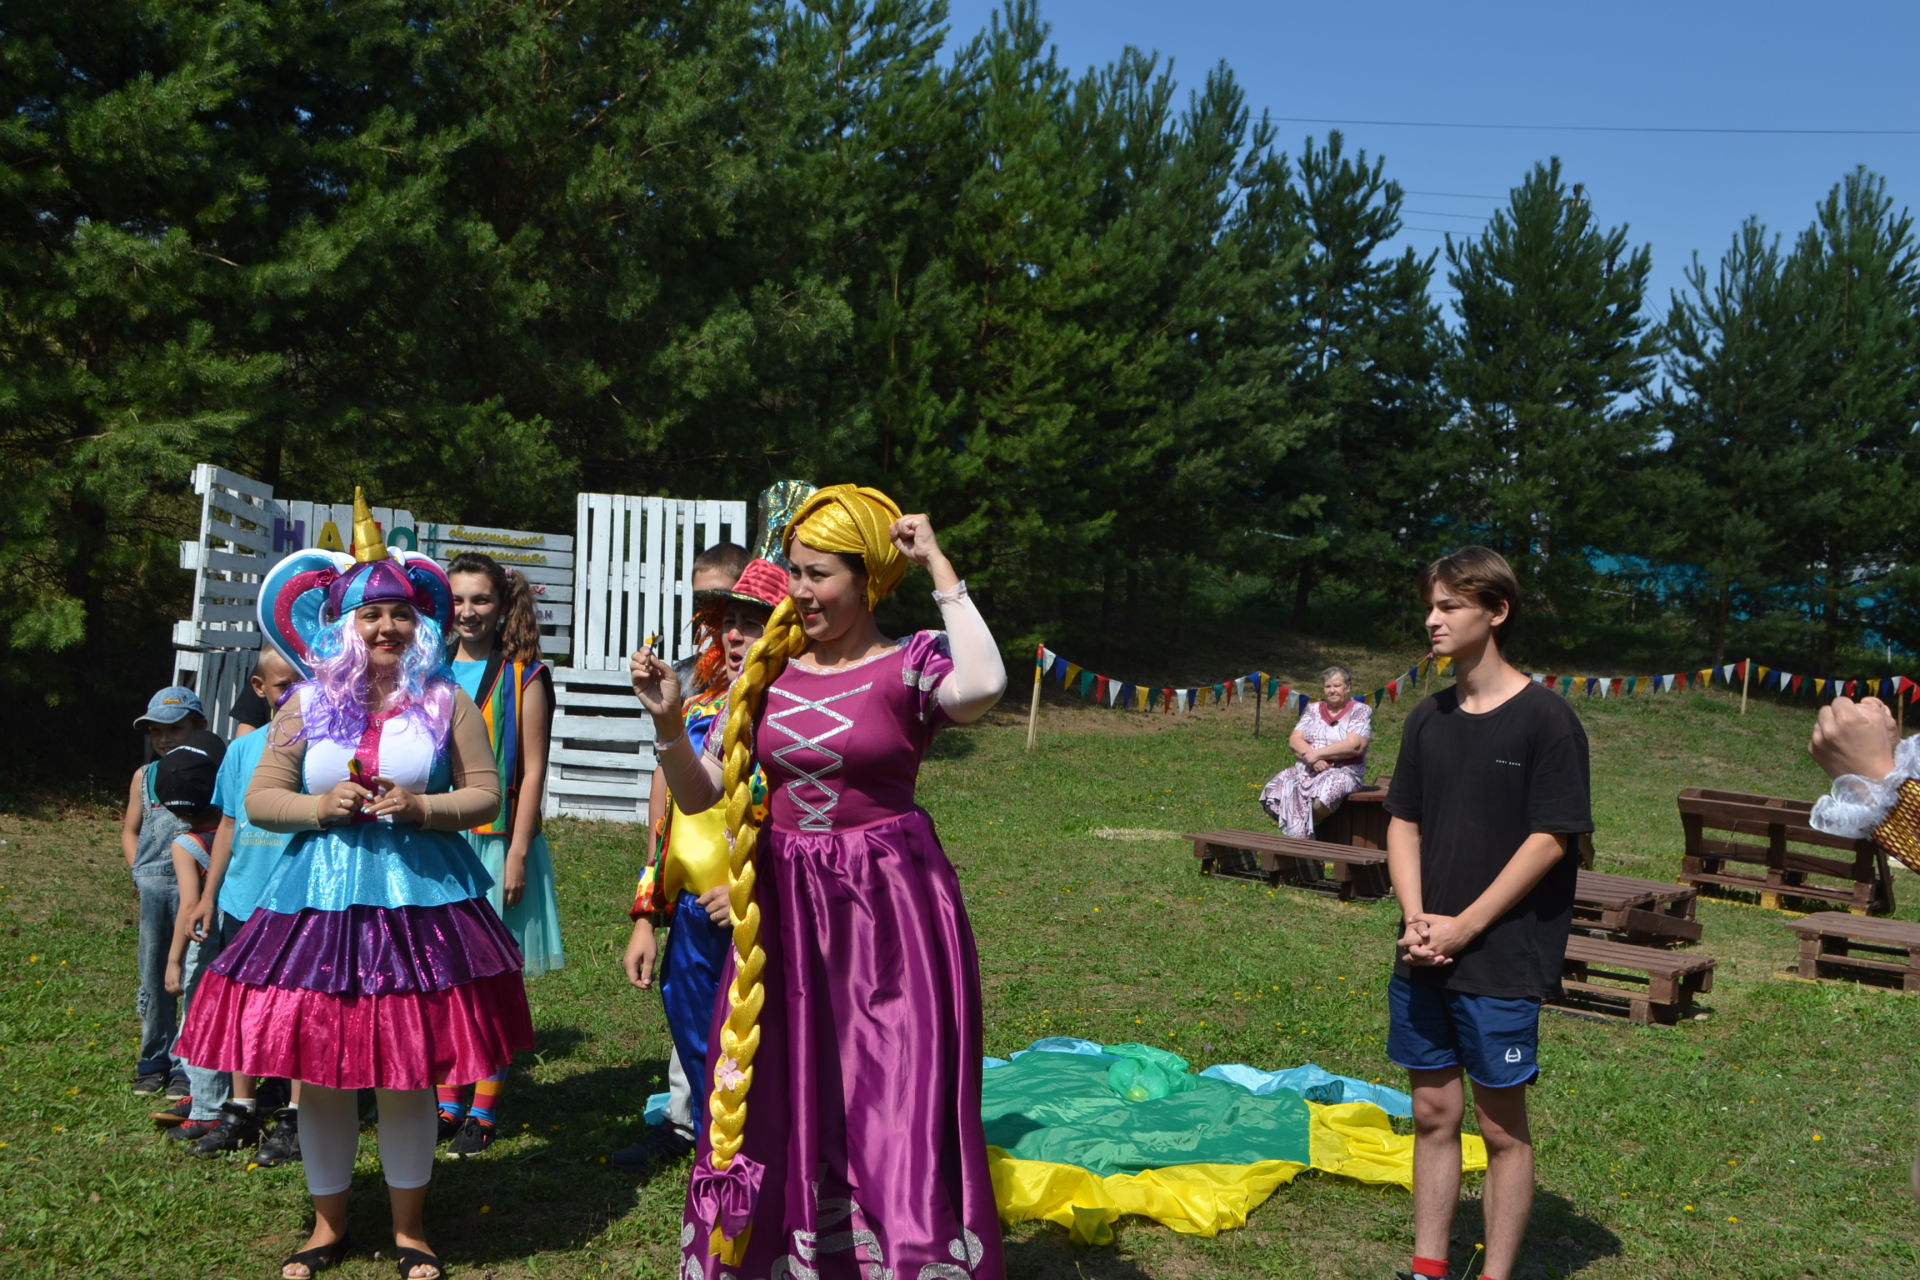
[314, 589]
[368, 546]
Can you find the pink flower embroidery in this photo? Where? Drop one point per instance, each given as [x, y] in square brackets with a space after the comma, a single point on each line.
[727, 1073]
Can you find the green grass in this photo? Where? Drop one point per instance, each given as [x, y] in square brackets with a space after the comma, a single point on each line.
[1768, 1139]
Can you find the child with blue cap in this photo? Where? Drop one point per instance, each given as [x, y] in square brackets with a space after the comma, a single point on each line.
[146, 837]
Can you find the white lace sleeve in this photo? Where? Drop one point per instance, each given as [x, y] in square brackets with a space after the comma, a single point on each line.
[1857, 805]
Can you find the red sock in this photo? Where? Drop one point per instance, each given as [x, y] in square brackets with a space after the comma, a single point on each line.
[1435, 1267]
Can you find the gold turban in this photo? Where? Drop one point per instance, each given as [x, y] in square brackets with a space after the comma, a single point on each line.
[850, 520]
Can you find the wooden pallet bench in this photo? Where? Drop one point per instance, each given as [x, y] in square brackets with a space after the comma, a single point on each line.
[1360, 821]
[1834, 941]
[1654, 984]
[1357, 873]
[1765, 845]
[1653, 913]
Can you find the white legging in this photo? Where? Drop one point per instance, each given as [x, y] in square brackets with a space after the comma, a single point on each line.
[330, 1135]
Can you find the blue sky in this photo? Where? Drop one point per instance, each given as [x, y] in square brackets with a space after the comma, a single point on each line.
[1696, 63]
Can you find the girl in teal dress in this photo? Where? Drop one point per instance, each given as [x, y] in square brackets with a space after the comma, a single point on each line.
[496, 659]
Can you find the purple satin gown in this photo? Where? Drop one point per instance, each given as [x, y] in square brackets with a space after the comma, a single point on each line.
[863, 1124]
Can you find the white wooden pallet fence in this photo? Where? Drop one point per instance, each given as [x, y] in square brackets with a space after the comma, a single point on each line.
[630, 582]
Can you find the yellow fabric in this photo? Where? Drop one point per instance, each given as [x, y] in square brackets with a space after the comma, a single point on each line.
[696, 854]
[850, 520]
[1352, 1140]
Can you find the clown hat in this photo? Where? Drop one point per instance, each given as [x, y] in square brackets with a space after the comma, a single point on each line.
[762, 582]
[311, 590]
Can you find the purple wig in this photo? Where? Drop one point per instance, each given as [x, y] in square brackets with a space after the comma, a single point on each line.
[334, 702]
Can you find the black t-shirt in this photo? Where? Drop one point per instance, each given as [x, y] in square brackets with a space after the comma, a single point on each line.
[1479, 785]
[251, 708]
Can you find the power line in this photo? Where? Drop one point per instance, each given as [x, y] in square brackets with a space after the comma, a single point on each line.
[1596, 128]
[1449, 195]
[1441, 213]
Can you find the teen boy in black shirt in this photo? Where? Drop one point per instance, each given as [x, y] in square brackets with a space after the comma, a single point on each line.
[1490, 784]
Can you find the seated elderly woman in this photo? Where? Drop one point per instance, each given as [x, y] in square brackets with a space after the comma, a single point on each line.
[1330, 743]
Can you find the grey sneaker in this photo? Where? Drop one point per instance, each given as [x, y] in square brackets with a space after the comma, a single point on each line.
[177, 1087]
[474, 1137]
[149, 1083]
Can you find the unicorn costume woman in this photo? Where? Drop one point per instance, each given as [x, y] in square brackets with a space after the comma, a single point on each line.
[374, 959]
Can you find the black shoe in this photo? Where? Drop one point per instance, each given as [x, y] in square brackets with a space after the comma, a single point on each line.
[177, 1087]
[320, 1257]
[474, 1137]
[238, 1128]
[663, 1144]
[449, 1125]
[282, 1143]
[191, 1131]
[147, 1083]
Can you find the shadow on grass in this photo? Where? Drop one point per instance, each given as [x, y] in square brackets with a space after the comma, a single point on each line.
[1561, 1241]
[951, 746]
[1051, 1256]
[546, 1178]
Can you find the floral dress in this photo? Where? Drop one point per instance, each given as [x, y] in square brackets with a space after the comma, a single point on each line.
[1289, 796]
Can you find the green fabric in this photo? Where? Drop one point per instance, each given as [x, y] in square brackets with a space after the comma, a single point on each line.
[1061, 1107]
[1144, 1072]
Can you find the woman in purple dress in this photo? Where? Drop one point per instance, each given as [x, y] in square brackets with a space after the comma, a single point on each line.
[1330, 743]
[845, 1137]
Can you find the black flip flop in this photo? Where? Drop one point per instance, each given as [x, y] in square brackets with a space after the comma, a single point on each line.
[411, 1258]
[318, 1258]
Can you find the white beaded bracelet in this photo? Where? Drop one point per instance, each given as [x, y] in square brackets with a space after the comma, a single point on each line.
[954, 596]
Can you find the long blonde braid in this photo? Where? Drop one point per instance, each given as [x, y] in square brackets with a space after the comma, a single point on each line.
[846, 520]
[740, 1034]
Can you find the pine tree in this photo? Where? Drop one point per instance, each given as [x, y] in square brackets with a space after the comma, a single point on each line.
[1857, 269]
[1734, 461]
[1546, 369]
[1367, 341]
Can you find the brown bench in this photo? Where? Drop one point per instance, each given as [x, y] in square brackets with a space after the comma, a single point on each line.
[1655, 985]
[1834, 940]
[1652, 913]
[1356, 872]
[1360, 822]
[1766, 845]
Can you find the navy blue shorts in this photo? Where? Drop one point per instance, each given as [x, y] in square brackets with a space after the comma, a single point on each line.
[1494, 1039]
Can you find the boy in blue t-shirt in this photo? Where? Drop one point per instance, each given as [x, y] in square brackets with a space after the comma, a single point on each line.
[244, 857]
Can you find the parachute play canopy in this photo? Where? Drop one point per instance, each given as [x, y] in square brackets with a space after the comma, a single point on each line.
[1081, 1133]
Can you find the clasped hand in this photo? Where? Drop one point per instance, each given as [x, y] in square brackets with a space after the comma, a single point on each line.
[385, 798]
[1432, 940]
